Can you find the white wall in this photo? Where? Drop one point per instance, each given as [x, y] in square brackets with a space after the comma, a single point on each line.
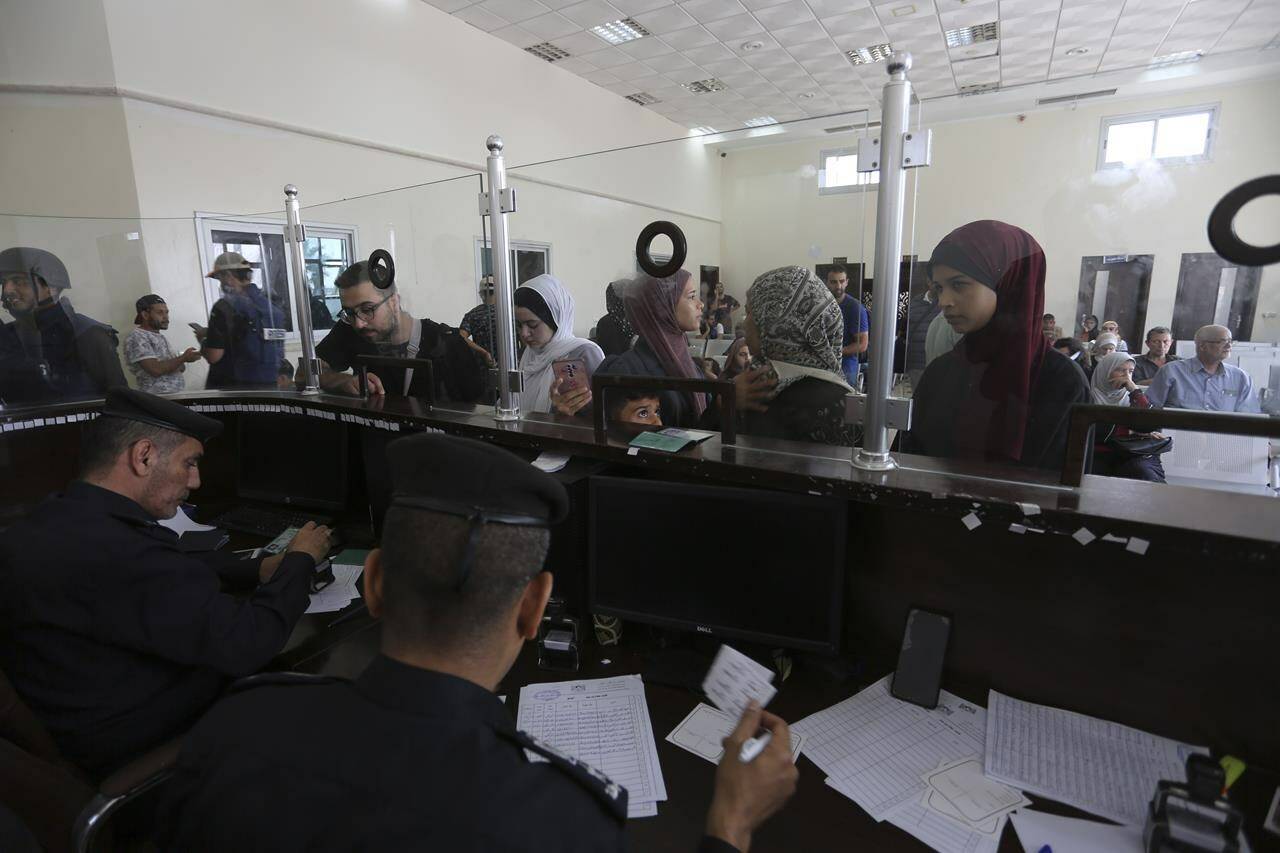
[1038, 174]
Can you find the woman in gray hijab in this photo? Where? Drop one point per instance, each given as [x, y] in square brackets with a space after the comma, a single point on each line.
[1119, 452]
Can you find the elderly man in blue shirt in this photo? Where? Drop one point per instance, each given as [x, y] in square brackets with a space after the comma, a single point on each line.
[1205, 382]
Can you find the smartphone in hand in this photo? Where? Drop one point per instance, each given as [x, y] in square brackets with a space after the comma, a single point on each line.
[572, 373]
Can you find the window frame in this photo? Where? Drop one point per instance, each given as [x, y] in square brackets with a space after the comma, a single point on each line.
[1214, 111]
[481, 244]
[846, 188]
[206, 223]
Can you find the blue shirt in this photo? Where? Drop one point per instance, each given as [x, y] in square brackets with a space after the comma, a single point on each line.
[856, 321]
[1185, 384]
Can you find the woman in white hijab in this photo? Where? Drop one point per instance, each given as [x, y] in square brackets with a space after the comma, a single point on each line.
[1118, 451]
[544, 324]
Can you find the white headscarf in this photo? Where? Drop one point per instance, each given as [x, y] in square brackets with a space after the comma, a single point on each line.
[535, 363]
[1103, 392]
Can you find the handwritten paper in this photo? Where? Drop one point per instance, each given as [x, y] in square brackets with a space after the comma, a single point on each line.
[704, 730]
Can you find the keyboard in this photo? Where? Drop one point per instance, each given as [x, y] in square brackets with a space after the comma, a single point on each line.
[260, 521]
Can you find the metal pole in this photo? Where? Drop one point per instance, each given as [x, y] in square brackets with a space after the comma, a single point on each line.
[874, 453]
[294, 236]
[500, 202]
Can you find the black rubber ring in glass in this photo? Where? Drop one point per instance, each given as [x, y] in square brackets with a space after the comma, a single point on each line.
[382, 269]
[1222, 224]
[679, 249]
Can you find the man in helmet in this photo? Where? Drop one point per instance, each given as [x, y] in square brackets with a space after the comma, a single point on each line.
[236, 343]
[50, 350]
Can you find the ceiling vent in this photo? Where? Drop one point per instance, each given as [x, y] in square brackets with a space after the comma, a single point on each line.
[702, 87]
[1062, 99]
[644, 99]
[548, 51]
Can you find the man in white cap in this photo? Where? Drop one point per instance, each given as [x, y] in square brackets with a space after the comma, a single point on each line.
[236, 343]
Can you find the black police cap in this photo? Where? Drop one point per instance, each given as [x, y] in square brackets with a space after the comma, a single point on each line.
[462, 476]
[149, 409]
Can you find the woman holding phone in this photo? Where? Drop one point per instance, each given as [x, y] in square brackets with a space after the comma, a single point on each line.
[556, 365]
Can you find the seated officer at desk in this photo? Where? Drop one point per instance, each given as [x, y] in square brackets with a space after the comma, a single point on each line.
[418, 753]
[374, 323]
[116, 638]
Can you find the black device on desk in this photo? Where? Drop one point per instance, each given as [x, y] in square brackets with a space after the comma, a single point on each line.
[291, 464]
[779, 583]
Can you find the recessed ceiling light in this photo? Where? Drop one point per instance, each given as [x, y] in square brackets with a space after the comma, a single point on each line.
[903, 11]
[548, 51]
[1077, 51]
[619, 32]
[752, 45]
[644, 99]
[871, 53]
[760, 121]
[1177, 58]
[702, 87]
[702, 130]
[962, 36]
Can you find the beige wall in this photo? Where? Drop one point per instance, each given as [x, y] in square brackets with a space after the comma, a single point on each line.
[1038, 174]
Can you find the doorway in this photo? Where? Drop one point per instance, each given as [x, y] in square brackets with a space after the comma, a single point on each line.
[1115, 287]
[1211, 289]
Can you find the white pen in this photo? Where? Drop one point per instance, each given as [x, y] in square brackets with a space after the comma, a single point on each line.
[752, 747]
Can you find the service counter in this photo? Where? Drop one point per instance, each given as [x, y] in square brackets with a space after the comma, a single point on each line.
[1165, 620]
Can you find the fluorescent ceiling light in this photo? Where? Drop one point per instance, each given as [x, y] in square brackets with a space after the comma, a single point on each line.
[870, 54]
[548, 51]
[619, 32]
[702, 130]
[702, 87]
[1177, 58]
[962, 36]
[978, 88]
[760, 121]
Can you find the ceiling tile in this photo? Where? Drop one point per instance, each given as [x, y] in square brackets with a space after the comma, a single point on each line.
[689, 38]
[1243, 38]
[710, 53]
[1012, 28]
[738, 79]
[601, 78]
[767, 58]
[1101, 15]
[517, 35]
[589, 13]
[450, 6]
[1010, 9]
[1219, 11]
[823, 59]
[713, 10]
[735, 28]
[722, 67]
[551, 26]
[631, 8]
[581, 44]
[800, 34]
[863, 19]
[482, 18]
[758, 42]
[784, 15]
[649, 83]
[515, 11]
[574, 65]
[621, 88]
[906, 10]
[668, 19]
[646, 48]
[860, 39]
[834, 75]
[755, 90]
[987, 68]
[669, 63]
[631, 70]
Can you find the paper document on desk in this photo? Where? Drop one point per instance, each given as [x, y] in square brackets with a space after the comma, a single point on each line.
[875, 747]
[1102, 767]
[603, 722]
[704, 730]
[734, 680]
[940, 832]
[338, 594]
[1037, 830]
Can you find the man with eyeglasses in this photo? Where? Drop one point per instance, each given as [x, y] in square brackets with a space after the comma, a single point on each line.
[375, 323]
[1205, 382]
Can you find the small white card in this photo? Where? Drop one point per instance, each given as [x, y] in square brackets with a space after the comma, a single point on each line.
[960, 790]
[735, 679]
[704, 730]
[551, 462]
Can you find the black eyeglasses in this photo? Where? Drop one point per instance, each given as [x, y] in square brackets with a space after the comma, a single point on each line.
[365, 311]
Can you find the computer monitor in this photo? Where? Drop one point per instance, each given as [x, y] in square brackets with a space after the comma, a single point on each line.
[734, 563]
[292, 459]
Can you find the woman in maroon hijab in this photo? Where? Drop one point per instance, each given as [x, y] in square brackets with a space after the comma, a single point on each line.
[1003, 394]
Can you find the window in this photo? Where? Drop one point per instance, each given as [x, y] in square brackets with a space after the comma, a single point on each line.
[528, 260]
[838, 172]
[1174, 136]
[327, 251]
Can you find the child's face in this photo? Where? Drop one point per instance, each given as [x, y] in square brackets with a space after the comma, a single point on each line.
[643, 411]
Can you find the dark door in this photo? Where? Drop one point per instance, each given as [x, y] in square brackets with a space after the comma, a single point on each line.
[1211, 289]
[1115, 287]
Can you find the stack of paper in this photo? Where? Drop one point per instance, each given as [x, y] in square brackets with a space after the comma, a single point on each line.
[346, 566]
[912, 766]
[603, 722]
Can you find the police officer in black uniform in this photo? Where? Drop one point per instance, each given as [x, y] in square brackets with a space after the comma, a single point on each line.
[116, 638]
[418, 753]
[50, 351]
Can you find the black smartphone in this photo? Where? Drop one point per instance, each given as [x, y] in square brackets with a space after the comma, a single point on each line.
[918, 678]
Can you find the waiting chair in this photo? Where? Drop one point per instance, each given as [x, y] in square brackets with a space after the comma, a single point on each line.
[62, 810]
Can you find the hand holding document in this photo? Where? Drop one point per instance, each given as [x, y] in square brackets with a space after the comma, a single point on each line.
[734, 680]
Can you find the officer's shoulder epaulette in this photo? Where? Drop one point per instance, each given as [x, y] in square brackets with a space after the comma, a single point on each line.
[610, 794]
[283, 679]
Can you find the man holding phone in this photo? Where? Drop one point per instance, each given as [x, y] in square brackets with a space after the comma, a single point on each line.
[147, 352]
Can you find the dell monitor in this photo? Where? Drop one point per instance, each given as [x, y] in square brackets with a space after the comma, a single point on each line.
[293, 460]
[734, 563]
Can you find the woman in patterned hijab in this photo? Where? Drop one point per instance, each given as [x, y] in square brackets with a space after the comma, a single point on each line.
[796, 328]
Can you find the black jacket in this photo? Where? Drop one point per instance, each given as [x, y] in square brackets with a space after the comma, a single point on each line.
[118, 640]
[610, 337]
[459, 372]
[949, 379]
